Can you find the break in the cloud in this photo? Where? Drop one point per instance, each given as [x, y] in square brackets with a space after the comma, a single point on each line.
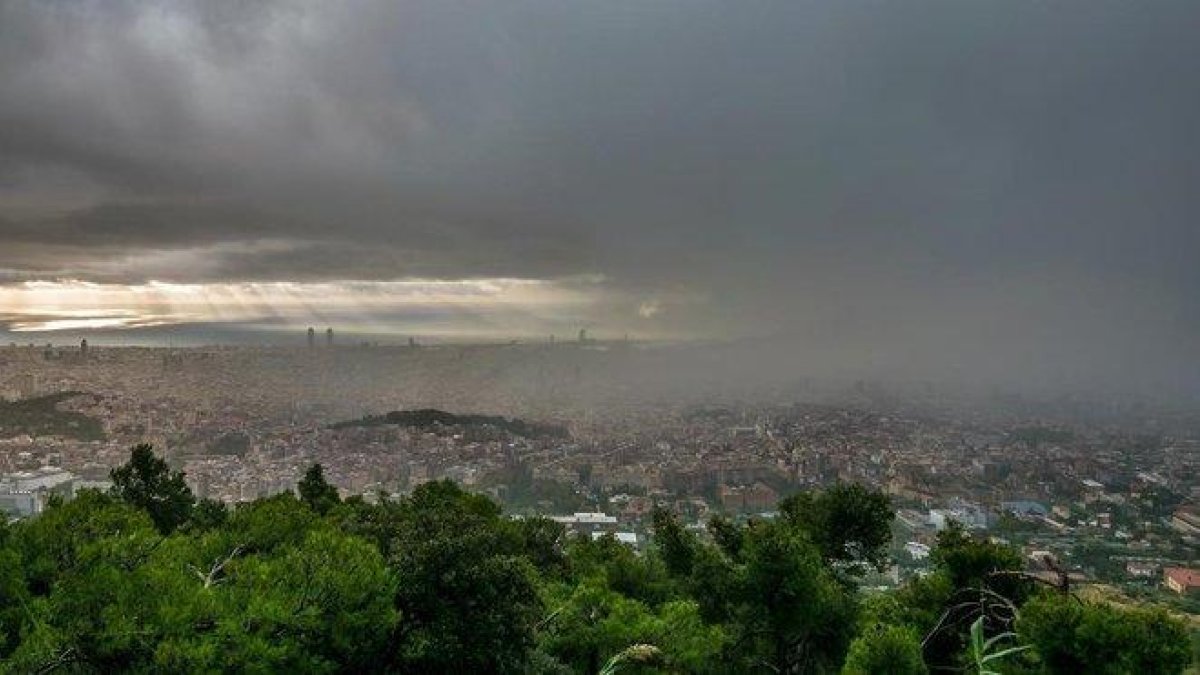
[971, 187]
[364, 307]
[280, 311]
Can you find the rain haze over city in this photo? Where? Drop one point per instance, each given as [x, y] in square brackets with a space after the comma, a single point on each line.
[932, 189]
[609, 257]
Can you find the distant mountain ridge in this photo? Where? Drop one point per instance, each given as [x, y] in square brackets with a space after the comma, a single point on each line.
[430, 418]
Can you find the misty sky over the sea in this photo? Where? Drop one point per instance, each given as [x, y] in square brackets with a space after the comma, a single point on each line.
[996, 189]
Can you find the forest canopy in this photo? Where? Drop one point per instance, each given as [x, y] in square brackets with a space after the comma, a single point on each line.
[145, 578]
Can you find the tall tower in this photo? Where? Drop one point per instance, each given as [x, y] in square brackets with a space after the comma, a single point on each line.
[328, 337]
[312, 337]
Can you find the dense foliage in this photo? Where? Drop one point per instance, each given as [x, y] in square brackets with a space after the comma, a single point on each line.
[41, 416]
[431, 419]
[146, 579]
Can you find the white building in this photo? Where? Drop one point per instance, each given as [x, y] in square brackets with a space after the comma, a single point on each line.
[45, 478]
[18, 504]
[628, 538]
[917, 550]
[24, 493]
[585, 518]
[970, 515]
[588, 523]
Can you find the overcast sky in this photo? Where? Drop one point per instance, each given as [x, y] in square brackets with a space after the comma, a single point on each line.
[956, 187]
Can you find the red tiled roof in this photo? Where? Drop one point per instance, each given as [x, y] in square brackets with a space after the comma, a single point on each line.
[1183, 576]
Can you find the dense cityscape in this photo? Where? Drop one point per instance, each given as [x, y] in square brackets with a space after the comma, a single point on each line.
[1111, 493]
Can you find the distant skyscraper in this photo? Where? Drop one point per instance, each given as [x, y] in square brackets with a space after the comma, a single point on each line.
[328, 337]
[312, 337]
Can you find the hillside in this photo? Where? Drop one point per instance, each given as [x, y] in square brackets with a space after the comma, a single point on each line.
[431, 419]
[41, 416]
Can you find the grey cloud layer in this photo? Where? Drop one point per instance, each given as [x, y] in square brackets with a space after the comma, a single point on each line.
[838, 172]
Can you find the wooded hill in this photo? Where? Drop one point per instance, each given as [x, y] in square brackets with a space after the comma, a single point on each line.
[432, 419]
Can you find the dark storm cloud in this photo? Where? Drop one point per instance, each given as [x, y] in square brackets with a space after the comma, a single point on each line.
[978, 187]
